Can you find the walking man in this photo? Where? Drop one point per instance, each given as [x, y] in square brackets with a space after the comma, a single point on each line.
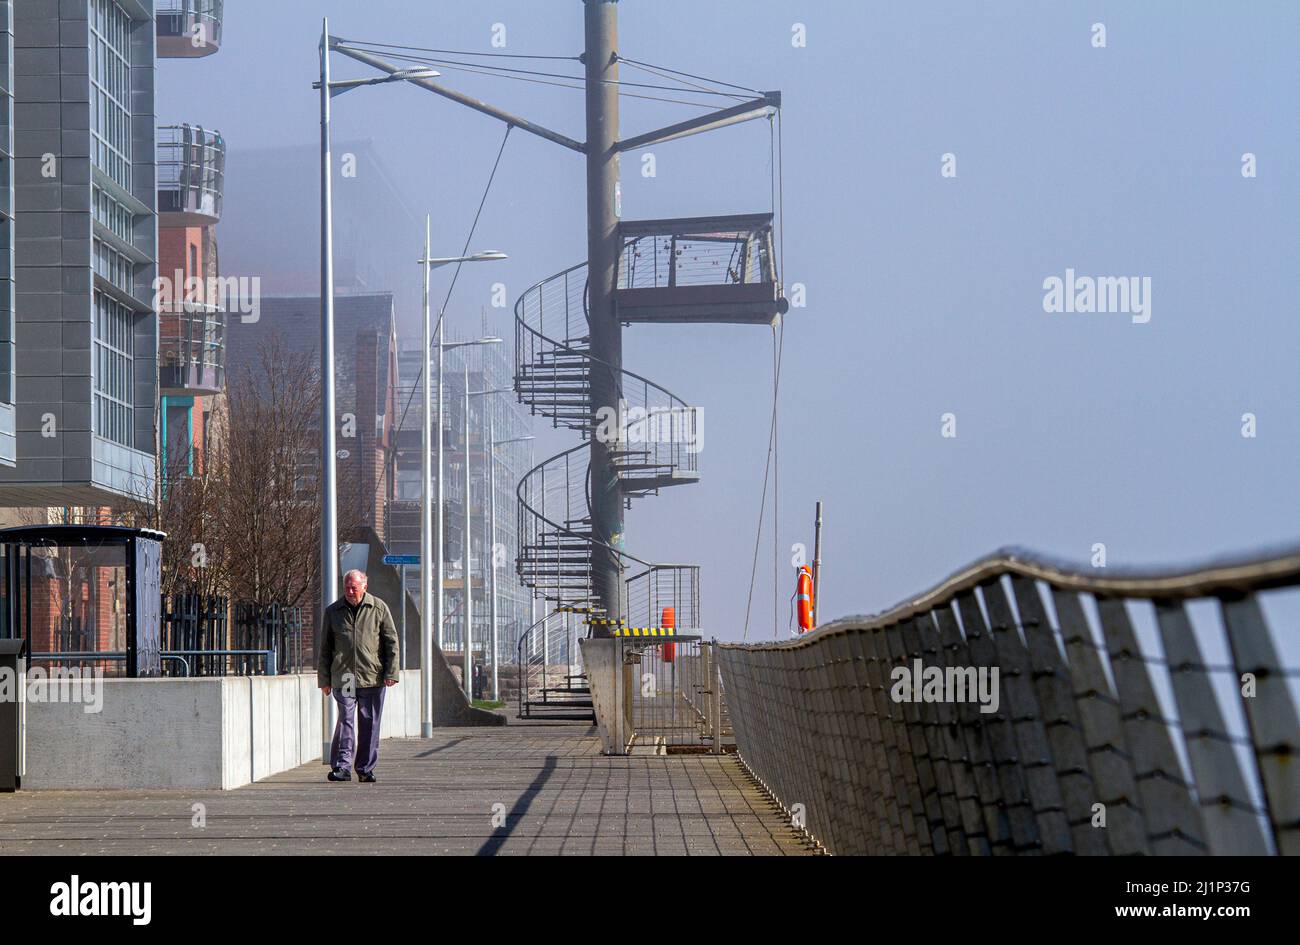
[358, 661]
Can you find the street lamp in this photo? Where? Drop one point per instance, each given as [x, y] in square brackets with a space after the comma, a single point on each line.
[329, 489]
[429, 618]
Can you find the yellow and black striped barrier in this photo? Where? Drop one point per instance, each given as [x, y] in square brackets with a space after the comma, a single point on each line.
[621, 629]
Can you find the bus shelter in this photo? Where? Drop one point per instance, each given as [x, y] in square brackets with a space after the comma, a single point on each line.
[84, 596]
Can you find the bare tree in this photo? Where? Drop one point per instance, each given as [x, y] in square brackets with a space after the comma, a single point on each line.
[187, 505]
[271, 502]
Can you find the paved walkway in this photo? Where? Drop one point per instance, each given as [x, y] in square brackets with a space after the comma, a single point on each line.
[546, 784]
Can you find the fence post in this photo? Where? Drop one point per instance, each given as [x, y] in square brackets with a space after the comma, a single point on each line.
[1173, 823]
[1271, 715]
[1226, 808]
[715, 697]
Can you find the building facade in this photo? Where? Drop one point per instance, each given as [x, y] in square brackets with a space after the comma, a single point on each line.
[192, 319]
[84, 234]
[8, 452]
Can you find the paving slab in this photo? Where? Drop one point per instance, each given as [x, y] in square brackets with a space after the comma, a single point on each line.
[522, 789]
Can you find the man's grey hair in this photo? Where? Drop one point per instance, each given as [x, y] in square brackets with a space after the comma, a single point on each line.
[357, 572]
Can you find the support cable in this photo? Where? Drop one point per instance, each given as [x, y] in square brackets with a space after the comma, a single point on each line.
[778, 346]
[779, 208]
[730, 85]
[505, 72]
[455, 52]
[442, 311]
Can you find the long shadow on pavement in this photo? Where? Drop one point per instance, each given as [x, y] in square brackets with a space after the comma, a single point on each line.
[493, 844]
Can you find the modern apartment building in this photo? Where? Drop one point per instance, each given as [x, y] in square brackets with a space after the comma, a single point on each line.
[81, 202]
[84, 236]
[192, 322]
[7, 439]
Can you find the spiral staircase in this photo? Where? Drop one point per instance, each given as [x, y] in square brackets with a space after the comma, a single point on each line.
[716, 269]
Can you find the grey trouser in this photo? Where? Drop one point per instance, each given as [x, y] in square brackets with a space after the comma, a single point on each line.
[369, 705]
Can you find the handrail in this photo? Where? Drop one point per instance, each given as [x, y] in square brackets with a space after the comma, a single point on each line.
[583, 352]
[1002, 709]
[1227, 575]
[564, 529]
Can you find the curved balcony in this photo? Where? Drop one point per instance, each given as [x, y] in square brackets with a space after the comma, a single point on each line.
[188, 29]
[192, 349]
[191, 175]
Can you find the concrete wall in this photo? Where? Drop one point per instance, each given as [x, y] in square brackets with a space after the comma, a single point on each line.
[221, 732]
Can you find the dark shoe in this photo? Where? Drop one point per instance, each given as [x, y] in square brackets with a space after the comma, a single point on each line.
[339, 774]
[366, 777]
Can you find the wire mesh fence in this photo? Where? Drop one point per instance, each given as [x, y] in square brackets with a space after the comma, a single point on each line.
[1027, 707]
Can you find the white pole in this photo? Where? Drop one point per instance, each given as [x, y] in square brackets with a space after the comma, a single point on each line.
[329, 527]
[492, 537]
[426, 522]
[467, 579]
[439, 613]
[546, 647]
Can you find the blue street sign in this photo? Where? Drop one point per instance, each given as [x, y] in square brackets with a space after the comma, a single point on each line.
[401, 559]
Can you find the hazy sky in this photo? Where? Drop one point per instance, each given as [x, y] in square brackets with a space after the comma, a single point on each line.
[925, 293]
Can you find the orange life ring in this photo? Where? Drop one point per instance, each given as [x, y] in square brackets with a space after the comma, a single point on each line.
[803, 598]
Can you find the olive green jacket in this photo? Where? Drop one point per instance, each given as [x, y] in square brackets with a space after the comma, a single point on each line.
[364, 646]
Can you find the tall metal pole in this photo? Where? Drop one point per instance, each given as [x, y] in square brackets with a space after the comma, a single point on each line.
[468, 662]
[328, 524]
[426, 523]
[817, 565]
[603, 246]
[439, 612]
[546, 636]
[492, 539]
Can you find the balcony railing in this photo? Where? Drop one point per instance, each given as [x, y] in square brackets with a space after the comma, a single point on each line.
[191, 174]
[192, 349]
[188, 29]
[718, 269]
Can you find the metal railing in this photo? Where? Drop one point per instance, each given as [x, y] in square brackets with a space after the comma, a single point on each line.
[191, 170]
[735, 257]
[674, 697]
[1096, 724]
[265, 659]
[191, 348]
[653, 442]
[552, 681]
[659, 587]
[219, 637]
[188, 23]
[658, 695]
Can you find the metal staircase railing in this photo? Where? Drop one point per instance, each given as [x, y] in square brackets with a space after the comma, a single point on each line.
[552, 681]
[654, 438]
